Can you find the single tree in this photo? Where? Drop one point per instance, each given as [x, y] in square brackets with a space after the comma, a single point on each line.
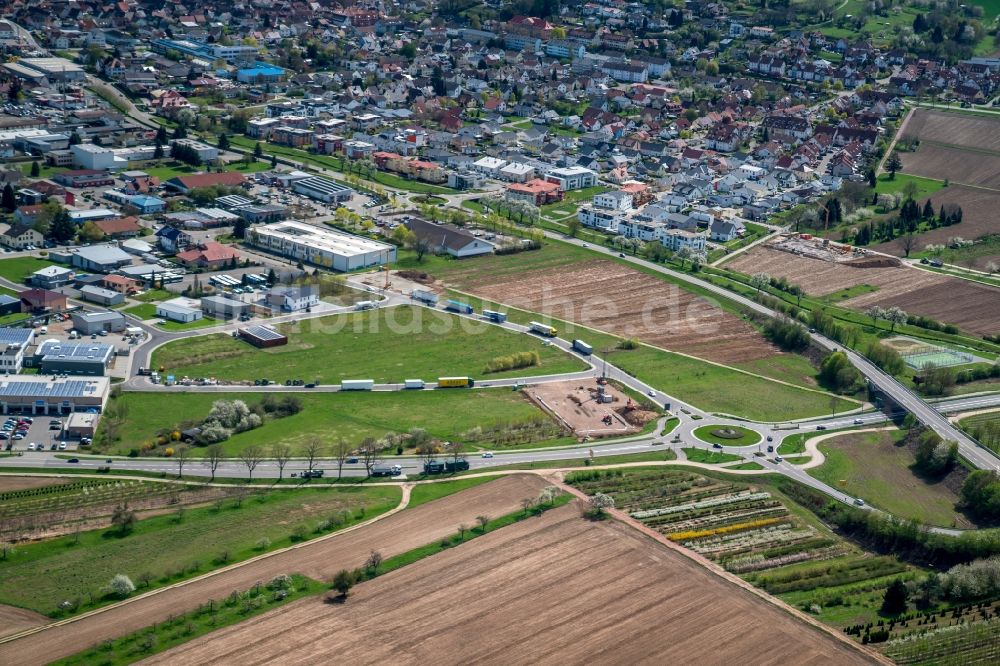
[123, 518]
[223, 141]
[462, 529]
[258, 151]
[907, 242]
[341, 452]
[35, 169]
[893, 164]
[373, 562]
[482, 520]
[8, 200]
[599, 503]
[371, 453]
[251, 457]
[282, 454]
[896, 597]
[158, 152]
[214, 455]
[312, 450]
[759, 280]
[894, 316]
[876, 313]
[527, 503]
[343, 581]
[121, 586]
[240, 229]
[274, 161]
[181, 456]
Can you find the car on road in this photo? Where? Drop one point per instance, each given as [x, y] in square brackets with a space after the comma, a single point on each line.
[859, 502]
[651, 394]
[778, 459]
[487, 454]
[352, 461]
[858, 421]
[584, 245]
[821, 427]
[770, 439]
[73, 460]
[621, 254]
[770, 449]
[716, 446]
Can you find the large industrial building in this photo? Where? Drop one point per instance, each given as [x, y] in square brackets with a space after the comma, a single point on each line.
[41, 394]
[322, 189]
[323, 247]
[57, 357]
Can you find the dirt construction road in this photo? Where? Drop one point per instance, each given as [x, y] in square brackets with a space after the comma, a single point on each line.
[552, 590]
[396, 534]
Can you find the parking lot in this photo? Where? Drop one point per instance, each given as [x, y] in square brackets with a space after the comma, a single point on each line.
[38, 433]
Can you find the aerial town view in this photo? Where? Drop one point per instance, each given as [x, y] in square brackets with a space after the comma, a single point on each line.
[505, 332]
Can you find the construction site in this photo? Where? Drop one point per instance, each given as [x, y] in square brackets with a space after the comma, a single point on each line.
[590, 410]
[807, 245]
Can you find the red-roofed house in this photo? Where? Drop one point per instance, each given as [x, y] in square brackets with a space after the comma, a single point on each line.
[121, 227]
[536, 192]
[121, 284]
[210, 255]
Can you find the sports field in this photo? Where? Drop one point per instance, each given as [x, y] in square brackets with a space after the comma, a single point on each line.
[387, 345]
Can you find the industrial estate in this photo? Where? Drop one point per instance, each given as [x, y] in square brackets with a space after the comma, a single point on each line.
[670, 330]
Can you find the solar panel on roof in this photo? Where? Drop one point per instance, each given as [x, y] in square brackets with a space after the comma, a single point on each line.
[263, 333]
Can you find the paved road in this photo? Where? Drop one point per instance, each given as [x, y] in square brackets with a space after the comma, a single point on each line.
[904, 397]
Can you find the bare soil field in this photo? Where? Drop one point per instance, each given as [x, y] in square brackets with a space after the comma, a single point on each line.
[575, 406]
[979, 208]
[13, 620]
[553, 590]
[9, 483]
[958, 129]
[396, 534]
[973, 307]
[957, 164]
[614, 298]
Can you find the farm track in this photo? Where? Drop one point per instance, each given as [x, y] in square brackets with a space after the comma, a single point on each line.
[550, 590]
[391, 534]
[622, 301]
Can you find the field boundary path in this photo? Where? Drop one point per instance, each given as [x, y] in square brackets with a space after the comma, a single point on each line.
[733, 579]
[895, 138]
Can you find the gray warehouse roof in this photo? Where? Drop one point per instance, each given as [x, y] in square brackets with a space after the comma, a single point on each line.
[104, 254]
[98, 317]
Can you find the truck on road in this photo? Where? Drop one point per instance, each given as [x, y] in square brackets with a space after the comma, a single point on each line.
[493, 315]
[364, 305]
[413, 383]
[424, 296]
[543, 329]
[387, 470]
[583, 347]
[357, 385]
[455, 382]
[458, 306]
[436, 467]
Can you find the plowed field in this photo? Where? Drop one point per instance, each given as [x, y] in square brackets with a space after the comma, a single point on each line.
[957, 164]
[973, 307]
[396, 534]
[13, 620]
[614, 298]
[553, 590]
[958, 129]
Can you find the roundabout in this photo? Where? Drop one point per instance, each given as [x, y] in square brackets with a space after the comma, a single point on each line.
[727, 435]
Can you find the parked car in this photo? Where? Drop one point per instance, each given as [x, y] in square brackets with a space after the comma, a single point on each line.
[31, 447]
